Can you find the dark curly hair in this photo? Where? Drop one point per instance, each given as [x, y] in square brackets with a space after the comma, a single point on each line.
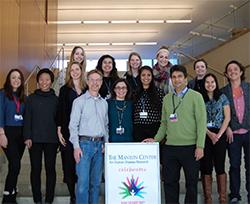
[113, 73]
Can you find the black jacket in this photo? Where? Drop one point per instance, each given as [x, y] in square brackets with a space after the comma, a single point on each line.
[40, 117]
[66, 97]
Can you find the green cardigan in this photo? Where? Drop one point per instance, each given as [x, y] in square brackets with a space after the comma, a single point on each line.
[191, 125]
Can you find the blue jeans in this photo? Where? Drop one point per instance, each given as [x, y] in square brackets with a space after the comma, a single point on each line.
[234, 153]
[89, 171]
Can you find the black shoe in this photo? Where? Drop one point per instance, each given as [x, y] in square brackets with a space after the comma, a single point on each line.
[72, 201]
[9, 198]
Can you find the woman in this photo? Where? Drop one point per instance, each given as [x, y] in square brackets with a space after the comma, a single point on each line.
[218, 117]
[106, 65]
[238, 94]
[78, 55]
[134, 64]
[197, 84]
[74, 87]
[120, 113]
[12, 105]
[40, 134]
[161, 70]
[147, 106]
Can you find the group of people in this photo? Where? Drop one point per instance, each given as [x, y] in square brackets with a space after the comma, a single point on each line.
[194, 122]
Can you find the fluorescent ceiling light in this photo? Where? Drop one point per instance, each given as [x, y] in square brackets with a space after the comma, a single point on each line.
[146, 43]
[151, 21]
[98, 44]
[123, 21]
[179, 21]
[123, 43]
[95, 22]
[71, 44]
[107, 44]
[65, 22]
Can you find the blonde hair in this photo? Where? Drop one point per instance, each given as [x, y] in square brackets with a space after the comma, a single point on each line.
[69, 80]
[162, 49]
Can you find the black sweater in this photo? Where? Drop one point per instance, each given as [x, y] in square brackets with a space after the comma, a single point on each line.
[40, 117]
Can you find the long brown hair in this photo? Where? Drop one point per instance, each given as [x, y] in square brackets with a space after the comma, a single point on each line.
[83, 63]
[129, 58]
[69, 80]
[8, 89]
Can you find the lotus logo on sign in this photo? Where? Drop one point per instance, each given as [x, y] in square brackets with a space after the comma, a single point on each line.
[132, 187]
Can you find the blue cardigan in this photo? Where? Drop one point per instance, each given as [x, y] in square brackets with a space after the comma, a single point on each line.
[234, 123]
[8, 111]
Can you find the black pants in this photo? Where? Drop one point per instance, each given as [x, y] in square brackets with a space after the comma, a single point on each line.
[69, 167]
[14, 153]
[142, 132]
[68, 163]
[174, 158]
[36, 152]
[214, 155]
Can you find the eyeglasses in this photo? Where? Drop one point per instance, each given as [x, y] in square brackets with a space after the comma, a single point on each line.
[121, 88]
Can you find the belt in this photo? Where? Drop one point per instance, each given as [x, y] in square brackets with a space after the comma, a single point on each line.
[88, 138]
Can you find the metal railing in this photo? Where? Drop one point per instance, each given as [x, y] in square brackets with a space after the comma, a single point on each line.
[221, 77]
[59, 58]
[34, 71]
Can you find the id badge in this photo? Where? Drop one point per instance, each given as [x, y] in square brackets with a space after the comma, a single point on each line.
[210, 124]
[120, 130]
[18, 117]
[143, 114]
[108, 96]
[173, 117]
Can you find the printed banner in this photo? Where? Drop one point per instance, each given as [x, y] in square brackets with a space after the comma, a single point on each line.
[132, 173]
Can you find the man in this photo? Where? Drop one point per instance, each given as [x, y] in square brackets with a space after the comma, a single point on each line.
[88, 131]
[183, 125]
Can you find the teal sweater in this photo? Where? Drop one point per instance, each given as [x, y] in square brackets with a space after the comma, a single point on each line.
[191, 126]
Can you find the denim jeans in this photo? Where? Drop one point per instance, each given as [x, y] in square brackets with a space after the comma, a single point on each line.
[234, 153]
[89, 171]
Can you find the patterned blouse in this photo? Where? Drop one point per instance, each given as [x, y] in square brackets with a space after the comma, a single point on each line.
[143, 104]
[215, 111]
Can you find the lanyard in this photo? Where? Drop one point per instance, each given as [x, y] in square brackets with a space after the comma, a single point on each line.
[120, 111]
[142, 99]
[17, 103]
[134, 80]
[176, 107]
[108, 85]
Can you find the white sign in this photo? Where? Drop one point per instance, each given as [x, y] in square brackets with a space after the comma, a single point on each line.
[132, 173]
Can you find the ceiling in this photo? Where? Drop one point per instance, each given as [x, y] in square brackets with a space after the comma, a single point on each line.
[212, 24]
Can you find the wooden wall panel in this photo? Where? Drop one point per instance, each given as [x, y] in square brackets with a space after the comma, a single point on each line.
[9, 25]
[26, 38]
